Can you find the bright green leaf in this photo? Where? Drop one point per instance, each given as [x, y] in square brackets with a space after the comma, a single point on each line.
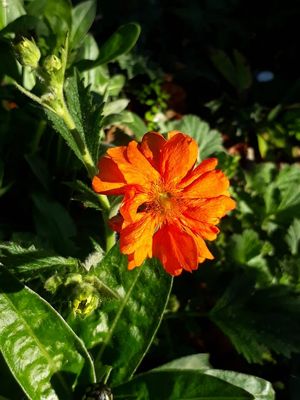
[123, 329]
[41, 350]
[119, 43]
[10, 10]
[83, 16]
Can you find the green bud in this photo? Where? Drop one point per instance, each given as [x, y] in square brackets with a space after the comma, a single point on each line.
[27, 53]
[86, 300]
[52, 283]
[52, 64]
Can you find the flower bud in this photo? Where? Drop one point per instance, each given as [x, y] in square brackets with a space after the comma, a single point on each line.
[52, 64]
[85, 300]
[27, 53]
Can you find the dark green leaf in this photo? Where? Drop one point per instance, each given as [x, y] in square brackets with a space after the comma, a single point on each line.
[83, 16]
[25, 262]
[259, 321]
[124, 328]
[119, 43]
[86, 195]
[179, 385]
[41, 350]
[293, 236]
[54, 224]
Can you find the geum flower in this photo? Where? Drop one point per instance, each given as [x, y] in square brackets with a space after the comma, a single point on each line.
[169, 205]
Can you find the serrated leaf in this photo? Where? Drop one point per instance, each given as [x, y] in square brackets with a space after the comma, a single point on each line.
[209, 141]
[25, 261]
[119, 43]
[259, 321]
[60, 127]
[83, 16]
[86, 111]
[179, 385]
[143, 296]
[293, 236]
[43, 353]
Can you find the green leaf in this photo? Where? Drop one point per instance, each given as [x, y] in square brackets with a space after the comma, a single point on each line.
[54, 224]
[179, 385]
[224, 65]
[83, 16]
[209, 141]
[27, 261]
[259, 321]
[59, 125]
[43, 353]
[10, 11]
[97, 78]
[86, 195]
[86, 111]
[115, 107]
[259, 388]
[136, 125]
[57, 13]
[293, 236]
[119, 43]
[194, 361]
[123, 329]
[243, 72]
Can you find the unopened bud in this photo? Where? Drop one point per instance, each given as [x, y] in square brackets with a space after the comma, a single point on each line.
[52, 64]
[86, 300]
[27, 53]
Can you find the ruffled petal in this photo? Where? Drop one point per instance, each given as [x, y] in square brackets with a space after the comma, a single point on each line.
[132, 204]
[151, 146]
[136, 239]
[210, 184]
[177, 158]
[205, 166]
[175, 249]
[134, 167]
[210, 210]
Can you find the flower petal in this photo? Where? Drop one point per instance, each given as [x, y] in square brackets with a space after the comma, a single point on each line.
[206, 165]
[175, 249]
[210, 210]
[151, 146]
[211, 184]
[177, 158]
[136, 238]
[109, 180]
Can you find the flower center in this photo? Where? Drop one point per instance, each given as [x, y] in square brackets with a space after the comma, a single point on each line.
[165, 200]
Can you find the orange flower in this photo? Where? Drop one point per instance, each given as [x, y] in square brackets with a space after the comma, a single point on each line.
[169, 205]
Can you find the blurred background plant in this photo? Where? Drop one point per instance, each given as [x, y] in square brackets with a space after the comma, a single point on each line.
[73, 84]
